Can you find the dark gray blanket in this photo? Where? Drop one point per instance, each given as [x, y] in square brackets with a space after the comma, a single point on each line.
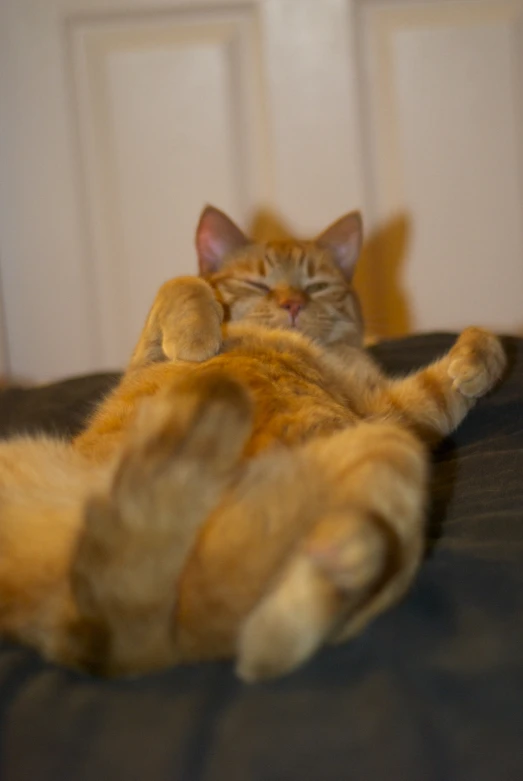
[432, 691]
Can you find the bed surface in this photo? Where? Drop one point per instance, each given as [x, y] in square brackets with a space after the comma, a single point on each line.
[432, 691]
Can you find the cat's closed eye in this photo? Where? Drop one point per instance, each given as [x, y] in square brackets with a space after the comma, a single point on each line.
[258, 285]
[316, 287]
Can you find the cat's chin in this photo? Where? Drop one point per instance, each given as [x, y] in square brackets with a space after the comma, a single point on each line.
[295, 328]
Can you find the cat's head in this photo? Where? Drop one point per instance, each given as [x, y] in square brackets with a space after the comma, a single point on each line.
[302, 285]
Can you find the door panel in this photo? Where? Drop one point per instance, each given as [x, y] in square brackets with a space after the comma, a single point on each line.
[444, 89]
[170, 116]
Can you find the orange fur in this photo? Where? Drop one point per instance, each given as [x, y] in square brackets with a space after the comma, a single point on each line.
[250, 489]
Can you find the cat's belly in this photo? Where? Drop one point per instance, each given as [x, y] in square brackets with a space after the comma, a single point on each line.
[294, 399]
[291, 404]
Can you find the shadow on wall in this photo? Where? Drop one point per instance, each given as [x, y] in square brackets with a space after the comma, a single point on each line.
[378, 278]
[267, 226]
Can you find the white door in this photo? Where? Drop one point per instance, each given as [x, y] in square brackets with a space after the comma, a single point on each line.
[120, 119]
[442, 101]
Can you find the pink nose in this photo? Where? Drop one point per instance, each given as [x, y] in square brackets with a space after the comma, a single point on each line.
[292, 306]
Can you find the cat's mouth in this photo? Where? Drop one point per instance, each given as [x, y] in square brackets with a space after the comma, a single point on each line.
[292, 326]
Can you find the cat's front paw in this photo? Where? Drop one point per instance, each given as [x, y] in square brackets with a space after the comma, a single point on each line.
[476, 362]
[191, 328]
[195, 347]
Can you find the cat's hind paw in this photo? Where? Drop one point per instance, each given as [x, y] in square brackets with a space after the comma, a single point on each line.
[321, 583]
[287, 626]
[183, 446]
[180, 456]
[476, 362]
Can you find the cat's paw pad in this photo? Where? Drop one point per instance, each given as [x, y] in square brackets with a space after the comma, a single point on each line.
[476, 362]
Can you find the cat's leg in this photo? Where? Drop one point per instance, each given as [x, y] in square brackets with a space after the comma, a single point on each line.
[355, 560]
[184, 323]
[434, 400]
[179, 458]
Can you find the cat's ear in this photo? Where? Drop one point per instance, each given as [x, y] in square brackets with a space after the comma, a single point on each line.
[216, 237]
[343, 239]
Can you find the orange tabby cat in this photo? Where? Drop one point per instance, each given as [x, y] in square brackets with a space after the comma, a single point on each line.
[250, 489]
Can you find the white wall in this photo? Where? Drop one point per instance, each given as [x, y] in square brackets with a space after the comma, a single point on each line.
[121, 118]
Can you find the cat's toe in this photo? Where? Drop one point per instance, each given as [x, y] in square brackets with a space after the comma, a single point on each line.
[356, 561]
[471, 381]
[273, 643]
[288, 625]
[477, 362]
[195, 347]
[268, 651]
[191, 328]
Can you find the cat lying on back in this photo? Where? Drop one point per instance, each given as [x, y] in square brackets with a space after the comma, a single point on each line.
[250, 489]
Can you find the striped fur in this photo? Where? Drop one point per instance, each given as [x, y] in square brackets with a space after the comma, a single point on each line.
[253, 488]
